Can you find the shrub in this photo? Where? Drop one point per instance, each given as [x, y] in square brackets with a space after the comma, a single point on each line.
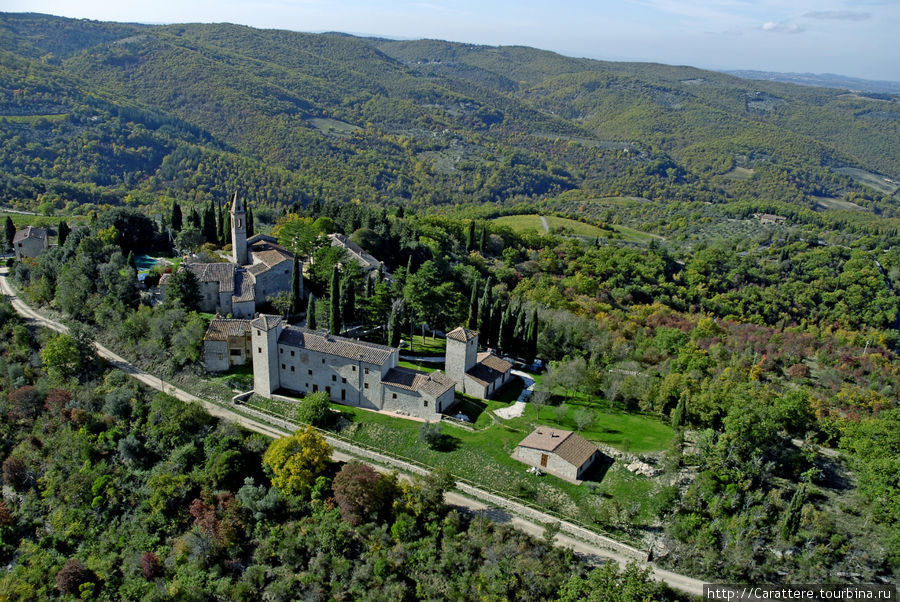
[72, 576]
[314, 409]
[356, 492]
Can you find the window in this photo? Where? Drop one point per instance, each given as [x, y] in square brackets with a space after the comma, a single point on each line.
[234, 351]
[259, 349]
[281, 350]
[343, 394]
[258, 333]
[544, 460]
[334, 378]
[315, 388]
[354, 368]
[309, 372]
[366, 386]
[221, 356]
[282, 366]
[343, 380]
[328, 390]
[292, 353]
[393, 396]
[367, 370]
[323, 360]
[292, 368]
[425, 403]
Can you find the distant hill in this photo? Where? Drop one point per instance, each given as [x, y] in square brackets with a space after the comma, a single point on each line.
[823, 80]
[95, 112]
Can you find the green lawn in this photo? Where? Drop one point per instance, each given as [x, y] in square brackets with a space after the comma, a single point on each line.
[239, 377]
[521, 223]
[420, 366]
[524, 223]
[428, 346]
[629, 432]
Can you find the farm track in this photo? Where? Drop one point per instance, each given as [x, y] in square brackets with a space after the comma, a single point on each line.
[487, 504]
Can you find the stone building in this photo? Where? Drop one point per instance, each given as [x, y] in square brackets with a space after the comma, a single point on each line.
[30, 242]
[352, 372]
[226, 344]
[476, 374]
[260, 269]
[367, 263]
[561, 453]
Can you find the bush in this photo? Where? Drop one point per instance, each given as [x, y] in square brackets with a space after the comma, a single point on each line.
[314, 409]
[430, 434]
[356, 492]
[72, 576]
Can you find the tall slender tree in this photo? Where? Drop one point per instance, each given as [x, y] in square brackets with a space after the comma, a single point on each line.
[311, 312]
[484, 311]
[249, 221]
[62, 233]
[334, 324]
[348, 300]
[296, 297]
[9, 232]
[209, 224]
[484, 235]
[177, 218]
[472, 321]
[470, 236]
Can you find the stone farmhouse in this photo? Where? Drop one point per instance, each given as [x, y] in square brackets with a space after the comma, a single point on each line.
[226, 344]
[298, 361]
[561, 453]
[30, 242]
[352, 372]
[367, 263]
[260, 268]
[476, 374]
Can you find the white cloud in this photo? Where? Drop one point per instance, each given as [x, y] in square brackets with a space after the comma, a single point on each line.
[773, 27]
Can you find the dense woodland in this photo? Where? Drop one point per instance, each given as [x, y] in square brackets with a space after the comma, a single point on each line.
[762, 345]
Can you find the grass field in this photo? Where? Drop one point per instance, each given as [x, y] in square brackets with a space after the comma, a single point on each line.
[872, 180]
[332, 126]
[32, 119]
[739, 173]
[532, 222]
[825, 203]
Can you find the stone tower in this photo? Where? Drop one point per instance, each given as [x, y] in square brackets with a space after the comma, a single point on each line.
[238, 232]
[462, 349]
[264, 333]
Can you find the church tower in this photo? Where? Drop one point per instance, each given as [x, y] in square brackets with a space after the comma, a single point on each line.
[238, 232]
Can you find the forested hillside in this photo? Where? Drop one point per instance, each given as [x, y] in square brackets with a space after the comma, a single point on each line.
[95, 112]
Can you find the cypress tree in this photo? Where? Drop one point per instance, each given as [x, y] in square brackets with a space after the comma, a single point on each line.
[296, 299]
[249, 221]
[224, 232]
[9, 232]
[395, 325]
[519, 332]
[483, 238]
[209, 225]
[62, 233]
[334, 324]
[470, 236]
[311, 312]
[792, 514]
[472, 321]
[678, 414]
[194, 218]
[409, 267]
[503, 332]
[496, 316]
[484, 311]
[380, 273]
[370, 286]
[531, 343]
[348, 301]
[177, 218]
[131, 261]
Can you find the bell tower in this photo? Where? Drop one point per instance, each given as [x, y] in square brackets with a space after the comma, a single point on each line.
[238, 232]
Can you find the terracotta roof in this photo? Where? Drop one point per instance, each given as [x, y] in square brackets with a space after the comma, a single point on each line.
[569, 446]
[243, 287]
[30, 232]
[434, 384]
[364, 259]
[489, 368]
[493, 361]
[223, 273]
[220, 329]
[269, 254]
[335, 345]
[265, 321]
[462, 334]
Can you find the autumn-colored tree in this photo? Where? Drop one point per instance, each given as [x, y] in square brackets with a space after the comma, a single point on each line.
[151, 567]
[356, 492]
[296, 461]
[72, 576]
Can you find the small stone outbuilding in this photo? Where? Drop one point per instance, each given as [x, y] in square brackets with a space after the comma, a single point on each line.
[561, 453]
[226, 343]
[30, 242]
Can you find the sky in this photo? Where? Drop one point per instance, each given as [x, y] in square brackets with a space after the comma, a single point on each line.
[857, 38]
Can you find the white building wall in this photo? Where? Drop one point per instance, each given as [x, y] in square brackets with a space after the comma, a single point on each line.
[460, 357]
[244, 309]
[265, 360]
[30, 247]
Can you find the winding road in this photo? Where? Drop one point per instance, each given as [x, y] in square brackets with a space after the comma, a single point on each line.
[592, 546]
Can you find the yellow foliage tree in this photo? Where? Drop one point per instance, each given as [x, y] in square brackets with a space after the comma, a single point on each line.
[296, 461]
